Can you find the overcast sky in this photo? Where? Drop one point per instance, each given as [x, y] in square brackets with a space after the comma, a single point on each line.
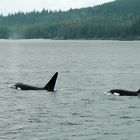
[11, 6]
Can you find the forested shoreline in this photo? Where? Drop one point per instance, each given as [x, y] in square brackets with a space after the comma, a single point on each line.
[118, 20]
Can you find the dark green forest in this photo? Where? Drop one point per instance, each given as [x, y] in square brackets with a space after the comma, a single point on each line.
[119, 19]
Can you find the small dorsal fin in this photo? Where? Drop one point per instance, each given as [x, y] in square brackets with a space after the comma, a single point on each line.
[51, 84]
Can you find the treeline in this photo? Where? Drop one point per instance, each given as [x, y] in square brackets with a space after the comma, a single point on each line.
[115, 20]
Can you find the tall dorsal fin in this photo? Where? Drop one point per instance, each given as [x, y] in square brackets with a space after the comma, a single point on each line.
[138, 90]
[51, 84]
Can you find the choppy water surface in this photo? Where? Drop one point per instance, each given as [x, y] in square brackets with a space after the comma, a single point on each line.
[78, 109]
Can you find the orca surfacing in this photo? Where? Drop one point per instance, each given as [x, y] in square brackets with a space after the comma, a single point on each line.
[49, 86]
[122, 92]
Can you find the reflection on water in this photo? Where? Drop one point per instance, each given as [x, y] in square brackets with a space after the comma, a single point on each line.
[78, 109]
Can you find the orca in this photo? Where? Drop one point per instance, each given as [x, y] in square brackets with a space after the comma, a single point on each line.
[49, 86]
[122, 92]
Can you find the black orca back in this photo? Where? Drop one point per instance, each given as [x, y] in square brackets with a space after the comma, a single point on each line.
[124, 92]
[49, 86]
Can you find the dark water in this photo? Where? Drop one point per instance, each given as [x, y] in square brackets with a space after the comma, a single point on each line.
[78, 110]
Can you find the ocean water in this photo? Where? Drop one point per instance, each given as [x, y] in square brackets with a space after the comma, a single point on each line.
[78, 109]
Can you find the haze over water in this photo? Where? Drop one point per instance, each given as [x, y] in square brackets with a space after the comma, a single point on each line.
[78, 109]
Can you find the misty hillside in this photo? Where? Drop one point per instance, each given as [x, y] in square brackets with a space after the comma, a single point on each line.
[117, 19]
[119, 8]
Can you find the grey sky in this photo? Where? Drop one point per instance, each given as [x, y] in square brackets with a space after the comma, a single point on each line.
[11, 6]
